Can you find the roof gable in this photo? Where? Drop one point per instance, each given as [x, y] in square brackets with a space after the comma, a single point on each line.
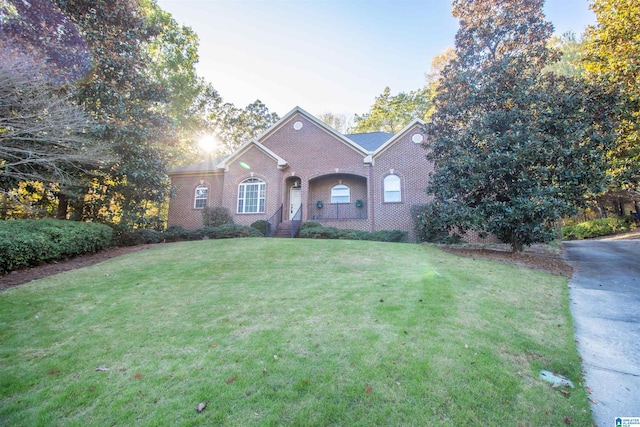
[282, 163]
[397, 136]
[326, 128]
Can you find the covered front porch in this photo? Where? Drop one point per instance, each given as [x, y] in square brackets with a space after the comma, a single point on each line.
[324, 199]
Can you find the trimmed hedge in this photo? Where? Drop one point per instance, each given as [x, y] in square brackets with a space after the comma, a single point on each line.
[29, 242]
[314, 230]
[597, 228]
[177, 234]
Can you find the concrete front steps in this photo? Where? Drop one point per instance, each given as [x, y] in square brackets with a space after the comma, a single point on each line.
[283, 230]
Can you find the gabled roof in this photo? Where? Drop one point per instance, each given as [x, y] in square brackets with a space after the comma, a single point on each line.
[370, 141]
[207, 165]
[398, 135]
[282, 163]
[297, 110]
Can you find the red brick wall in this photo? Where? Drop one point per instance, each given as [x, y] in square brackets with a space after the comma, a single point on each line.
[263, 167]
[181, 206]
[319, 160]
[407, 160]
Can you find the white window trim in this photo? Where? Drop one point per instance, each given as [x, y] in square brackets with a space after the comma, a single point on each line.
[343, 188]
[196, 199]
[260, 200]
[386, 191]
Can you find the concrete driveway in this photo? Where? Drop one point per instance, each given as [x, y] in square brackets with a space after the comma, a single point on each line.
[605, 303]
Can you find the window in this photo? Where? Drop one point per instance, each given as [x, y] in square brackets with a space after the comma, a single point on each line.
[251, 196]
[200, 199]
[340, 194]
[392, 189]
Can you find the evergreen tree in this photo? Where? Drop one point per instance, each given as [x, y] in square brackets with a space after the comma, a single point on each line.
[514, 148]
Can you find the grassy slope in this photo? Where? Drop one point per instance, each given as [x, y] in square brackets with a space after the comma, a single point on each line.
[301, 332]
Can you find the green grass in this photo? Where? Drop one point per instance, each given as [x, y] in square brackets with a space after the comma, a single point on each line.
[289, 332]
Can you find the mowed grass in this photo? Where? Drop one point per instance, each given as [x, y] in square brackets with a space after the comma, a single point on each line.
[289, 332]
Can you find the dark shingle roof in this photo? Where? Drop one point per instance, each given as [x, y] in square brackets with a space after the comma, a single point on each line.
[370, 141]
[207, 165]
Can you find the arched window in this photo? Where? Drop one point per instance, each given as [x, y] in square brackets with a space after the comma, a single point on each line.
[340, 194]
[201, 196]
[392, 192]
[251, 193]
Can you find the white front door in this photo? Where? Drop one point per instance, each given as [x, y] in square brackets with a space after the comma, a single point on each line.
[295, 200]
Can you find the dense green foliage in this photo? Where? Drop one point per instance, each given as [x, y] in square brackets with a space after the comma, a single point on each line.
[129, 67]
[143, 236]
[26, 243]
[391, 113]
[611, 50]
[214, 216]
[514, 148]
[261, 225]
[598, 228]
[314, 230]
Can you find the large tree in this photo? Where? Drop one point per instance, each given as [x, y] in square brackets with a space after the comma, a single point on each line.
[44, 134]
[514, 148]
[390, 113]
[612, 58]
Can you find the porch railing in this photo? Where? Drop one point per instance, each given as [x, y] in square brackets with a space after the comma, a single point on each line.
[319, 212]
[273, 222]
[296, 220]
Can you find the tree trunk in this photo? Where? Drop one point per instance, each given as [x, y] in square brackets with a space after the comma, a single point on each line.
[63, 206]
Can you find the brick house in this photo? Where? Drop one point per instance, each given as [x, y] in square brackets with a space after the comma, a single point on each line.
[303, 170]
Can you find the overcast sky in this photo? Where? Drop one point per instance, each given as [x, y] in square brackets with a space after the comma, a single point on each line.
[328, 55]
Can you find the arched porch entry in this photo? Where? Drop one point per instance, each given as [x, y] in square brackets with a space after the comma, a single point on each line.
[337, 196]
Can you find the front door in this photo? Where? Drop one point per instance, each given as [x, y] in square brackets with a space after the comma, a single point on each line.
[295, 200]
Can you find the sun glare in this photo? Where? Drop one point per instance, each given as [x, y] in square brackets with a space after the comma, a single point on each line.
[208, 143]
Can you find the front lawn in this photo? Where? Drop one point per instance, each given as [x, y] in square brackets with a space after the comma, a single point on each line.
[289, 332]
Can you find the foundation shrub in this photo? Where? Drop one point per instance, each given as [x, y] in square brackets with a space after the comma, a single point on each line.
[314, 230]
[261, 226]
[215, 216]
[28, 242]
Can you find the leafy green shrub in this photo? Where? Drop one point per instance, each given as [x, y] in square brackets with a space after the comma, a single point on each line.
[261, 226]
[215, 216]
[388, 236]
[175, 233]
[25, 243]
[597, 228]
[229, 231]
[140, 236]
[313, 230]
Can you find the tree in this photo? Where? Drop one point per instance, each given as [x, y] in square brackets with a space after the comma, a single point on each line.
[340, 122]
[131, 104]
[235, 126]
[612, 57]
[43, 132]
[570, 63]
[391, 113]
[514, 148]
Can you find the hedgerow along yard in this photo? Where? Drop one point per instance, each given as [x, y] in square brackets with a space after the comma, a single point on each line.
[290, 332]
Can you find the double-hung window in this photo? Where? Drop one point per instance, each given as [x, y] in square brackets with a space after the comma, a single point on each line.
[392, 192]
[251, 194]
[201, 196]
[340, 194]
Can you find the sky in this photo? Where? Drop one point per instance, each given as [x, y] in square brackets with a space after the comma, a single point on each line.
[328, 55]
